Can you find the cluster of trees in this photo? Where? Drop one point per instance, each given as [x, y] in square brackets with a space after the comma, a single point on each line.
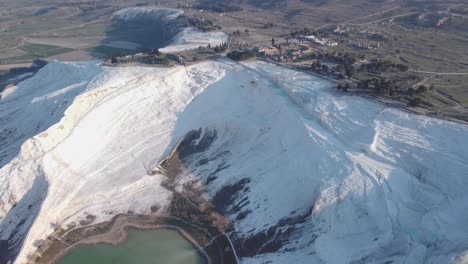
[376, 37]
[241, 55]
[347, 60]
[379, 86]
[347, 68]
[218, 7]
[415, 101]
[379, 66]
[343, 87]
[238, 32]
[157, 59]
[316, 65]
[114, 58]
[221, 47]
[268, 25]
[302, 32]
[342, 58]
[203, 24]
[387, 87]
[152, 56]
[420, 89]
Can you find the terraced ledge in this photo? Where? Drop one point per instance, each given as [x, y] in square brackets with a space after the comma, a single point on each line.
[195, 218]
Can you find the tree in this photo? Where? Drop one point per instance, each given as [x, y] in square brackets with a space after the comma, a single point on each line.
[273, 41]
[241, 55]
[421, 89]
[346, 87]
[339, 67]
[349, 70]
[220, 48]
[414, 102]
[364, 84]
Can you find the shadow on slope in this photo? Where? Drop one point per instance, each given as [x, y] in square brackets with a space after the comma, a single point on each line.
[147, 29]
[15, 226]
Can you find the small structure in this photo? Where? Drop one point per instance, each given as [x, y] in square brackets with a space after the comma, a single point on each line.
[267, 51]
[320, 41]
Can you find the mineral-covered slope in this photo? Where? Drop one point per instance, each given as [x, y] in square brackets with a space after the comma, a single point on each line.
[304, 175]
[164, 28]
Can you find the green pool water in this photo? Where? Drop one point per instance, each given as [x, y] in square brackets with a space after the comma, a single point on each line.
[160, 246]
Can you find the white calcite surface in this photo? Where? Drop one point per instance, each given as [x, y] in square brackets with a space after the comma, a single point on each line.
[186, 38]
[376, 184]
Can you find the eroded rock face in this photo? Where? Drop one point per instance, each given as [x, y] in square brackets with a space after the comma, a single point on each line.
[193, 154]
[187, 151]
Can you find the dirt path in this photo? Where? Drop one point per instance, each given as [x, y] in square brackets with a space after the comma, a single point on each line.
[371, 15]
[368, 23]
[423, 81]
[440, 73]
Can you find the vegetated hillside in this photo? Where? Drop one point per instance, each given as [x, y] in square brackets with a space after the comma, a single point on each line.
[303, 175]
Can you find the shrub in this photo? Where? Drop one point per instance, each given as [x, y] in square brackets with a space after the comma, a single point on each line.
[241, 55]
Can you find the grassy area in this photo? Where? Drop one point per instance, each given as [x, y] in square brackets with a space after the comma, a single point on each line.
[108, 51]
[437, 100]
[93, 29]
[17, 59]
[43, 51]
[4, 19]
[29, 27]
[458, 93]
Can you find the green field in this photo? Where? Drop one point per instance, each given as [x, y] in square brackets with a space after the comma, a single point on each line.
[109, 51]
[29, 27]
[93, 29]
[43, 51]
